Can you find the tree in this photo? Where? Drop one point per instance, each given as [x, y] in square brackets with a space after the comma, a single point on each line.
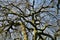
[29, 20]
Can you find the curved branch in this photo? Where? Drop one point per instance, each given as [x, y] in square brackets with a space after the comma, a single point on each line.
[46, 35]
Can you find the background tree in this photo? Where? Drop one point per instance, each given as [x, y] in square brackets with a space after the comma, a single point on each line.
[29, 20]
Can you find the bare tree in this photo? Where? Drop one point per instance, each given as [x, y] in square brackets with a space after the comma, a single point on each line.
[29, 20]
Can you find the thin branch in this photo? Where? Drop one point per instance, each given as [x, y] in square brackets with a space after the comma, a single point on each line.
[46, 35]
[17, 8]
